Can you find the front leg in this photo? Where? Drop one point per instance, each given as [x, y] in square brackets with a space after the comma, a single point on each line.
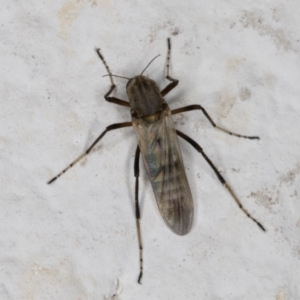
[112, 87]
[174, 82]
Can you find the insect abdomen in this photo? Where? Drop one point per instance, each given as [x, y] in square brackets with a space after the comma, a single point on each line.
[162, 157]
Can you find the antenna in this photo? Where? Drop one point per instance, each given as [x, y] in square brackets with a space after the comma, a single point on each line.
[116, 76]
[150, 63]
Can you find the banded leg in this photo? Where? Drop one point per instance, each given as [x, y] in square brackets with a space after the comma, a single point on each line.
[137, 209]
[108, 128]
[220, 177]
[174, 82]
[196, 106]
[112, 87]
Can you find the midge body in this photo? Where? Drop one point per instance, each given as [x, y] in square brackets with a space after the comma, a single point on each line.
[158, 143]
[159, 147]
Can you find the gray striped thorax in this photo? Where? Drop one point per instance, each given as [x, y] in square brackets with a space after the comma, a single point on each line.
[144, 96]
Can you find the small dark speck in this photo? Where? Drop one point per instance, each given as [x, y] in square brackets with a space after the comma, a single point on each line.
[175, 31]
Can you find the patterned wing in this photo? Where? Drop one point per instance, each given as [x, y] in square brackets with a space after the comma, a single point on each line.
[159, 146]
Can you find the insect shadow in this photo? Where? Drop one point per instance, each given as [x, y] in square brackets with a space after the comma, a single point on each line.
[158, 145]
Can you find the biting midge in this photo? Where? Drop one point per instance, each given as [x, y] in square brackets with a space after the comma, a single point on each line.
[158, 145]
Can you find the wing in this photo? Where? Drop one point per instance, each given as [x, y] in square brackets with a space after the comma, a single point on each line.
[160, 150]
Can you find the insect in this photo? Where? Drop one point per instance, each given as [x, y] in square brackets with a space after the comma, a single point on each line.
[159, 147]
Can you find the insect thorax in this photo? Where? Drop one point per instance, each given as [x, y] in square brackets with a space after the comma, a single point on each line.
[144, 96]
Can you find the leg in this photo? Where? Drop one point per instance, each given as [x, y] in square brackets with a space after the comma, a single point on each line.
[137, 209]
[112, 87]
[108, 128]
[174, 82]
[220, 177]
[196, 106]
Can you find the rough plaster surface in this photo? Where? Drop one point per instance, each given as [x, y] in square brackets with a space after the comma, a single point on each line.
[76, 239]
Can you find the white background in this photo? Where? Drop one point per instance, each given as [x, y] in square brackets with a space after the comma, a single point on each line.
[76, 238]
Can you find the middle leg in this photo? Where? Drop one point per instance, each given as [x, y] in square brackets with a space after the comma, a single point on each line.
[108, 128]
[196, 106]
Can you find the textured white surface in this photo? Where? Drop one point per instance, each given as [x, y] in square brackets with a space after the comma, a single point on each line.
[76, 239]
